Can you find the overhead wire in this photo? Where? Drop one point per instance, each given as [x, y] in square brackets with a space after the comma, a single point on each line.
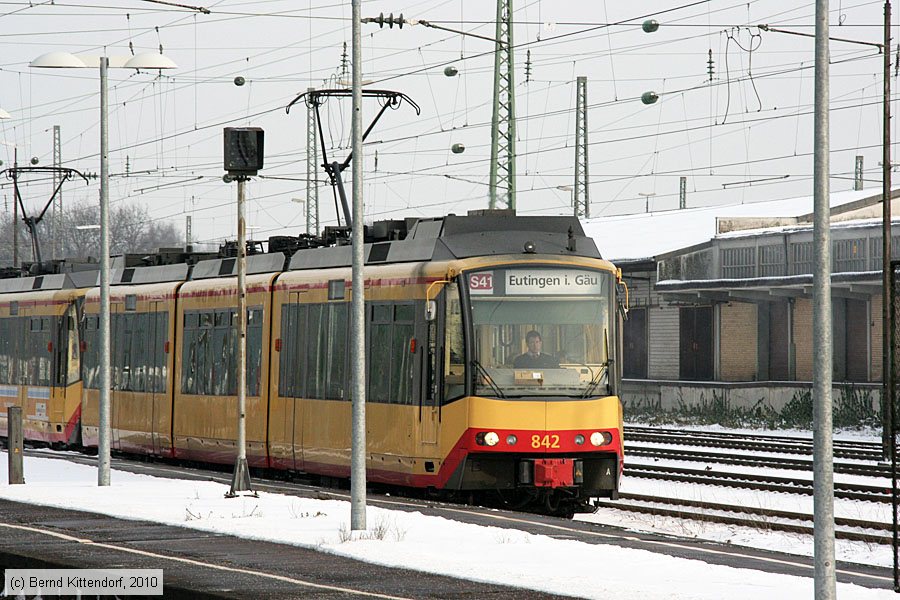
[607, 34]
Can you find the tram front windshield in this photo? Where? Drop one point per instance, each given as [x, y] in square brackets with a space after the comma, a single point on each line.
[541, 332]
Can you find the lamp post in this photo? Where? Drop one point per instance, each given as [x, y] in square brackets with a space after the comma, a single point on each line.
[647, 196]
[357, 297]
[65, 60]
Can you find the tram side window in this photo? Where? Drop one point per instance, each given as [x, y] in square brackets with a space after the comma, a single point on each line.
[209, 352]
[380, 353]
[35, 363]
[454, 347]
[90, 358]
[10, 338]
[137, 352]
[292, 366]
[70, 342]
[254, 350]
[402, 372]
[6, 341]
[315, 355]
[339, 320]
[286, 351]
[156, 367]
[391, 362]
[223, 380]
[191, 349]
[120, 353]
[326, 351]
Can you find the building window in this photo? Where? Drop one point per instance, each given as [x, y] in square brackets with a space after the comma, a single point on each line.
[801, 258]
[875, 245]
[850, 255]
[738, 263]
[771, 260]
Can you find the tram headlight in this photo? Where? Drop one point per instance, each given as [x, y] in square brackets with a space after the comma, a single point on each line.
[511, 440]
[601, 438]
[579, 439]
[487, 438]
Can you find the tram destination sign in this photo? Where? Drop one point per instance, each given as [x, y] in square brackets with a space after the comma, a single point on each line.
[536, 282]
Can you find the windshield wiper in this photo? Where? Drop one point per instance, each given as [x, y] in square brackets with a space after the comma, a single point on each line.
[487, 377]
[604, 367]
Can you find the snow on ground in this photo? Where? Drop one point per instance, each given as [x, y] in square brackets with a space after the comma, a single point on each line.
[411, 540]
[849, 551]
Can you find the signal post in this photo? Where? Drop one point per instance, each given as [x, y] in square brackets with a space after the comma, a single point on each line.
[243, 158]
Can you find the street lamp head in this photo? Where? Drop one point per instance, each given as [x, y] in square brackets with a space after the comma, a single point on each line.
[150, 60]
[58, 60]
[66, 60]
[4, 114]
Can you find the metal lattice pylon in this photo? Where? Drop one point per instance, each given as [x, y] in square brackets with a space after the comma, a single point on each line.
[503, 119]
[312, 190]
[57, 204]
[581, 196]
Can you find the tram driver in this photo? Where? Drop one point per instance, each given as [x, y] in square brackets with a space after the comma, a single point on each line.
[534, 358]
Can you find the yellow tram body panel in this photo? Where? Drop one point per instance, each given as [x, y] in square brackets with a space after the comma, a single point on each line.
[204, 426]
[410, 445]
[44, 380]
[488, 413]
[314, 434]
[142, 331]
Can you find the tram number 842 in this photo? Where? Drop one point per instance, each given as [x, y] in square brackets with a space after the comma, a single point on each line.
[546, 441]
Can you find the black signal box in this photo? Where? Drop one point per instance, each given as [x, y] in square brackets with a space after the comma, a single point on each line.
[243, 150]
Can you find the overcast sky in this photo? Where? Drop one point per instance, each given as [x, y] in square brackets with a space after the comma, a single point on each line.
[744, 136]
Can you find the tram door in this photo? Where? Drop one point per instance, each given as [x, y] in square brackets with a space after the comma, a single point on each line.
[156, 360]
[430, 391]
[293, 427]
[119, 356]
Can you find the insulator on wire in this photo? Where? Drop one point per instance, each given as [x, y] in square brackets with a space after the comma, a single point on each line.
[390, 21]
[527, 66]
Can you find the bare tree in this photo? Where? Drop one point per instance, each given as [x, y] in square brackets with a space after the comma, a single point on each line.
[132, 230]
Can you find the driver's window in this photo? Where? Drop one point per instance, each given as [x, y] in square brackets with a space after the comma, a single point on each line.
[580, 344]
[454, 346]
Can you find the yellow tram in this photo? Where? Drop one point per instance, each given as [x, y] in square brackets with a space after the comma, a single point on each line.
[40, 361]
[448, 311]
[492, 342]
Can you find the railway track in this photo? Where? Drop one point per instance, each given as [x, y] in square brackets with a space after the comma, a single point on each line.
[586, 531]
[755, 451]
[744, 516]
[762, 482]
[778, 444]
[753, 517]
[768, 462]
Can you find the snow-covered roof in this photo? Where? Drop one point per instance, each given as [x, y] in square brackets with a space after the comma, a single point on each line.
[648, 235]
[801, 227]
